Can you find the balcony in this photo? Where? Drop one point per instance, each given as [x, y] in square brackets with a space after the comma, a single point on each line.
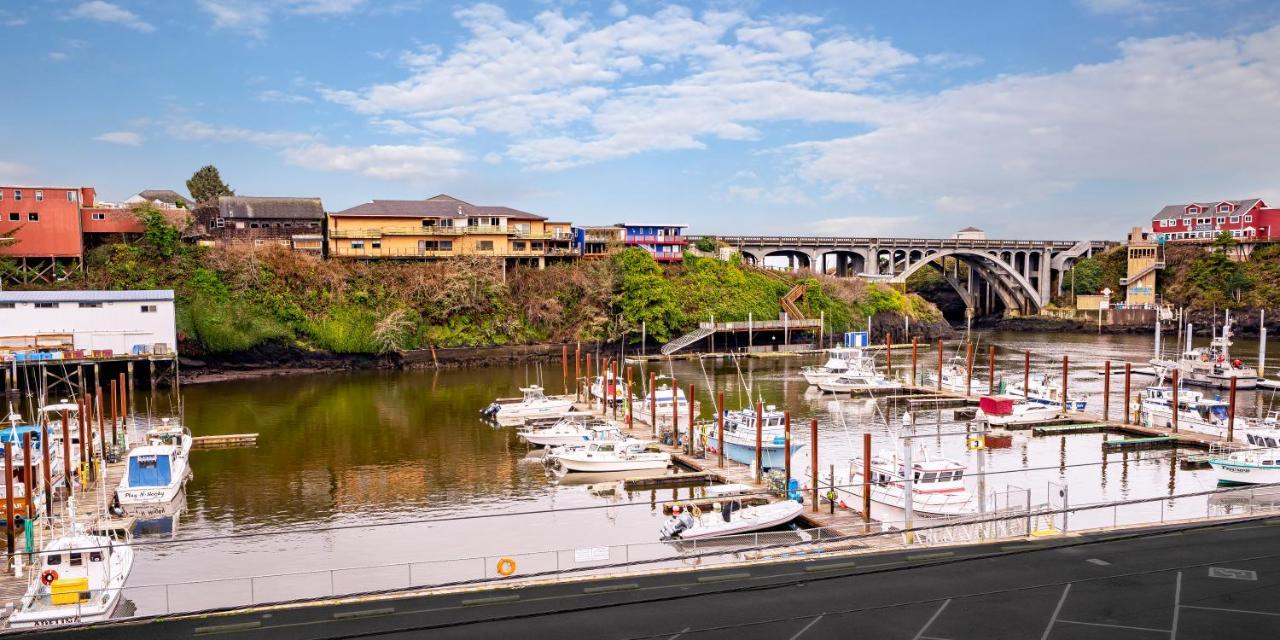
[656, 240]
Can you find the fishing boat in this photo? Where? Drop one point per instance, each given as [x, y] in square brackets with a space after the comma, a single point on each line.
[1001, 411]
[1213, 366]
[1196, 413]
[575, 427]
[1259, 464]
[157, 471]
[664, 397]
[1044, 389]
[730, 518]
[859, 383]
[937, 487]
[609, 388]
[25, 488]
[628, 455]
[77, 577]
[956, 378]
[740, 437]
[840, 361]
[534, 403]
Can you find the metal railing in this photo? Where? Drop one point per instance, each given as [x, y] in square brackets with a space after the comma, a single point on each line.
[825, 241]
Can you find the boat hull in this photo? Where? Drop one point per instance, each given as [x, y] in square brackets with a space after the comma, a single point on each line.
[556, 440]
[769, 516]
[598, 466]
[772, 456]
[1229, 472]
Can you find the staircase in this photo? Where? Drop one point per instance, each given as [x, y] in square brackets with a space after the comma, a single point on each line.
[789, 302]
[1144, 271]
[688, 339]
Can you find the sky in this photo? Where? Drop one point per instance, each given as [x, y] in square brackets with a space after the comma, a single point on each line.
[1031, 120]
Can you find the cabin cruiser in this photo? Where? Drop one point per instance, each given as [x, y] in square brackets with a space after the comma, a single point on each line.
[52, 415]
[726, 519]
[13, 436]
[740, 437]
[576, 427]
[535, 403]
[1196, 413]
[609, 388]
[663, 396]
[858, 382]
[956, 378]
[157, 471]
[1213, 366]
[627, 455]
[78, 577]
[937, 487]
[841, 361]
[1259, 464]
[1000, 411]
[1044, 389]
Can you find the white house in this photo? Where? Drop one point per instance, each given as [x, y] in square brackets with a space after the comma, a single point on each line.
[970, 233]
[116, 320]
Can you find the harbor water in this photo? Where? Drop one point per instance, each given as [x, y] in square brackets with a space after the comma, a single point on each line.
[385, 468]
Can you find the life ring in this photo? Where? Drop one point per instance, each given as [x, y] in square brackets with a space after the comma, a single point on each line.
[506, 567]
[48, 577]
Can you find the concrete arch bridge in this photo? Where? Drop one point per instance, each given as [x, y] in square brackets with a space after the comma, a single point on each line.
[1019, 275]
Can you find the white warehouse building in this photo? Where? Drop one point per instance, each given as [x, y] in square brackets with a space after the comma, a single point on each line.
[90, 320]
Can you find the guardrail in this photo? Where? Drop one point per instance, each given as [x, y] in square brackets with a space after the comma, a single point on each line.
[943, 243]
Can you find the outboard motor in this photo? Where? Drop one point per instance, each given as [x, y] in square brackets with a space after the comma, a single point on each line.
[675, 525]
[490, 410]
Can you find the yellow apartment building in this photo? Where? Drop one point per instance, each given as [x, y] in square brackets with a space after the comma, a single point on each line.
[446, 227]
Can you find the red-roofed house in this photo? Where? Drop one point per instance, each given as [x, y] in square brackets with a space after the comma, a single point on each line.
[1246, 220]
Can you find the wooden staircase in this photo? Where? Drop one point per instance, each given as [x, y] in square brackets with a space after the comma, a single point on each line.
[789, 302]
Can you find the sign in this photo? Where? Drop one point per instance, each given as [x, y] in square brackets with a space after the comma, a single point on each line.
[591, 554]
[1233, 574]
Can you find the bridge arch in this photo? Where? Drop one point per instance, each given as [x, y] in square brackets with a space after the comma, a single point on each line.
[797, 257]
[1007, 280]
[847, 261]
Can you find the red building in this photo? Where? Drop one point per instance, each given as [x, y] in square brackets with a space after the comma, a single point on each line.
[1246, 220]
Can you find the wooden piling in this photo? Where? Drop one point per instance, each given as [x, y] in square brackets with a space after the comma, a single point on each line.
[759, 441]
[114, 400]
[66, 451]
[587, 384]
[866, 478]
[653, 401]
[1231, 411]
[690, 449]
[1175, 401]
[991, 370]
[577, 372]
[1065, 368]
[28, 484]
[1106, 390]
[102, 433]
[915, 347]
[786, 455]
[8, 501]
[124, 405]
[939, 364]
[813, 460]
[675, 411]
[968, 368]
[1128, 373]
[630, 402]
[45, 455]
[888, 355]
[720, 427]
[84, 436]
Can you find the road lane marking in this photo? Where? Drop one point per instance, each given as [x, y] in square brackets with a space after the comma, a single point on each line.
[930, 556]
[367, 613]
[1177, 606]
[1113, 626]
[1098, 561]
[725, 577]
[1023, 547]
[608, 588]
[807, 627]
[1056, 610]
[830, 567]
[920, 634]
[1233, 574]
[475, 602]
[1256, 613]
[682, 632]
[227, 628]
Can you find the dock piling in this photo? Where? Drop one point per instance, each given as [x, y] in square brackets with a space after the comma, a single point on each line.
[759, 441]
[577, 372]
[720, 427]
[813, 460]
[1065, 366]
[115, 399]
[630, 402]
[66, 452]
[1231, 411]
[28, 486]
[1106, 390]
[691, 447]
[939, 364]
[968, 369]
[84, 440]
[675, 411]
[653, 402]
[564, 366]
[1128, 373]
[43, 420]
[786, 456]
[888, 355]
[1175, 401]
[915, 346]
[8, 502]
[866, 478]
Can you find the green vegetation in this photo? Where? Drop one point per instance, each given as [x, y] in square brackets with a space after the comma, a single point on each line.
[207, 183]
[706, 244]
[1211, 279]
[1102, 271]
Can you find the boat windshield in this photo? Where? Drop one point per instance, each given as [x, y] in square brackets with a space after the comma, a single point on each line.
[149, 471]
[1219, 411]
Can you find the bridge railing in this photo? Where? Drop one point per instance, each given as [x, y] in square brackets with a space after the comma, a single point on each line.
[914, 243]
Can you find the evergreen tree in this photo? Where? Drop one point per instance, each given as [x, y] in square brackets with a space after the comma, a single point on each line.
[206, 183]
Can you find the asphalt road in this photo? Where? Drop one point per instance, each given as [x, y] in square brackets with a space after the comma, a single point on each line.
[1215, 582]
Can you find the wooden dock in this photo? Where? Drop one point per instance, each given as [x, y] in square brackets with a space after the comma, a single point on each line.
[225, 441]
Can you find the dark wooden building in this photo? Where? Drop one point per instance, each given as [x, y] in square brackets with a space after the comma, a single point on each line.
[297, 223]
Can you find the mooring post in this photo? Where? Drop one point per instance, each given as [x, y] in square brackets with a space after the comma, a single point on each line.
[653, 402]
[866, 478]
[45, 456]
[691, 396]
[1064, 382]
[124, 406]
[84, 439]
[1175, 401]
[28, 484]
[1231, 411]
[1026, 375]
[786, 455]
[939, 364]
[759, 441]
[968, 369]
[115, 400]
[675, 411]
[1128, 372]
[630, 402]
[577, 373]
[888, 355]
[991, 370]
[587, 384]
[1106, 390]
[720, 427]
[915, 347]
[66, 451]
[813, 460]
[564, 366]
[8, 502]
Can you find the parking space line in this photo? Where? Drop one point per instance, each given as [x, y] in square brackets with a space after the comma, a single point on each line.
[1056, 610]
[1177, 606]
[807, 627]
[682, 632]
[933, 617]
[1256, 613]
[1113, 626]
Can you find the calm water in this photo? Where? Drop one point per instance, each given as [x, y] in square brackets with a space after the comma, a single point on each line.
[341, 454]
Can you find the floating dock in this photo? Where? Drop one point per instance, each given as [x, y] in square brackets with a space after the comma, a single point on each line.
[226, 441]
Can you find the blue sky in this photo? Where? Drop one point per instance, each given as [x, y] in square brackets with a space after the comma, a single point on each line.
[1030, 119]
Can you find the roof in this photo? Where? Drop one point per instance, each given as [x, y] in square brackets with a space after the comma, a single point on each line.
[969, 229]
[269, 207]
[131, 295]
[439, 206]
[1180, 210]
[163, 195]
[651, 224]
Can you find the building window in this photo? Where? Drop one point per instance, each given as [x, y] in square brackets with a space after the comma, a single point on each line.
[39, 196]
[14, 216]
[1248, 218]
[46, 305]
[17, 194]
[90, 305]
[71, 196]
[485, 245]
[376, 244]
[98, 215]
[1222, 219]
[33, 217]
[1235, 219]
[517, 245]
[357, 244]
[148, 308]
[1, 194]
[6, 305]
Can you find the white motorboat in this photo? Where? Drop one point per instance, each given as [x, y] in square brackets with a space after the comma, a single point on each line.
[156, 472]
[628, 455]
[1259, 464]
[956, 378]
[1044, 389]
[609, 389]
[840, 361]
[1196, 413]
[535, 403]
[52, 415]
[663, 397]
[77, 578]
[1213, 366]
[14, 436]
[859, 383]
[1004, 411]
[576, 427]
[937, 487]
[740, 437]
[729, 519]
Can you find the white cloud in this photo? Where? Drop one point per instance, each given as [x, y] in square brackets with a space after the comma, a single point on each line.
[14, 172]
[58, 56]
[196, 130]
[276, 95]
[128, 138]
[323, 7]
[15, 22]
[861, 226]
[407, 163]
[107, 12]
[1120, 7]
[618, 9]
[247, 17]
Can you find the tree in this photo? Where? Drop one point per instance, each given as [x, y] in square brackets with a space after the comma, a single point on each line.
[157, 232]
[206, 183]
[645, 295]
[1087, 276]
[1213, 279]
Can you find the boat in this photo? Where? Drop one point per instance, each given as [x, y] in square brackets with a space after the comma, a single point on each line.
[1003, 411]
[841, 361]
[14, 436]
[1196, 413]
[575, 427]
[663, 396]
[1043, 389]
[534, 403]
[609, 389]
[859, 382]
[156, 472]
[52, 415]
[77, 577]
[740, 438]
[1213, 366]
[1259, 464]
[627, 455]
[730, 518]
[956, 378]
[937, 488]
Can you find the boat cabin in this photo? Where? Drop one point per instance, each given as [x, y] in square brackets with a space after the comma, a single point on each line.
[74, 570]
[1264, 438]
[1189, 402]
[150, 466]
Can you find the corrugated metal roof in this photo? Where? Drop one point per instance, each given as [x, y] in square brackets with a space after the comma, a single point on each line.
[259, 207]
[440, 206]
[1207, 209]
[135, 295]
